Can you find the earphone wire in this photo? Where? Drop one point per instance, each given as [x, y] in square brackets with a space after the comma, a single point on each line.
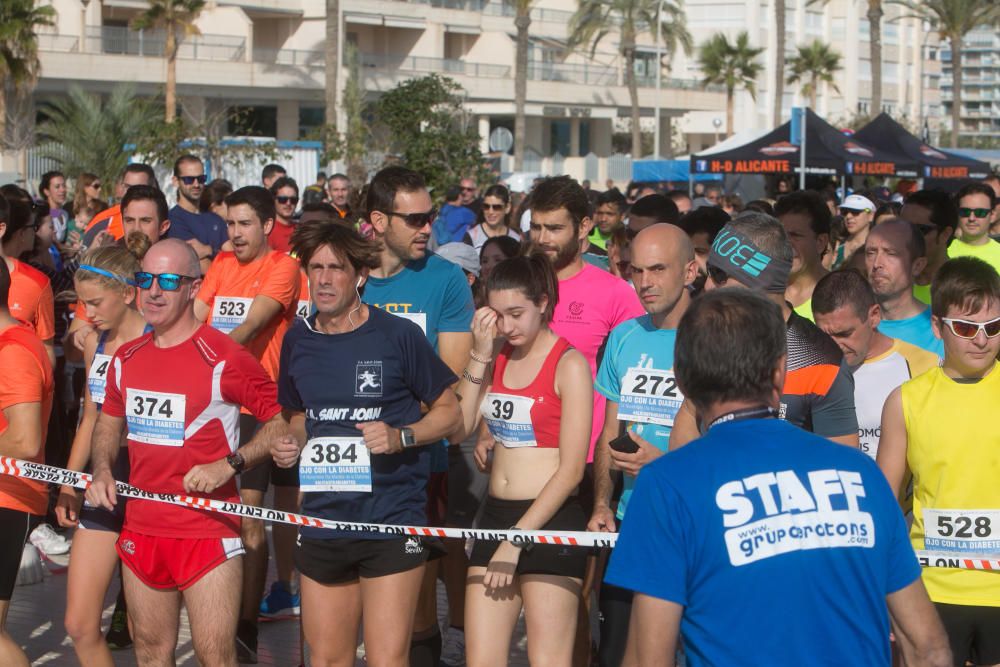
[357, 290]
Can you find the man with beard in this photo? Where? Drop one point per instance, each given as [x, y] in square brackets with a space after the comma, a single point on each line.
[205, 232]
[417, 285]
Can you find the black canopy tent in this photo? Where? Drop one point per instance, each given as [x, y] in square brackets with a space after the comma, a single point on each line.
[828, 152]
[886, 134]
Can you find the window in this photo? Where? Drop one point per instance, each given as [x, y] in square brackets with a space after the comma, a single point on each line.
[890, 72]
[310, 121]
[838, 28]
[814, 24]
[559, 138]
[890, 32]
[865, 70]
[258, 121]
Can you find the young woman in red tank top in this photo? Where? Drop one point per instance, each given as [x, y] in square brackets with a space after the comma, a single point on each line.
[536, 466]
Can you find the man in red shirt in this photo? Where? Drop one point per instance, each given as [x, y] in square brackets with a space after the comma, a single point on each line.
[26, 390]
[176, 395]
[286, 199]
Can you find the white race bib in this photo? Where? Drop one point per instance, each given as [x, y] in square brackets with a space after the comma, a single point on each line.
[155, 418]
[420, 319]
[650, 396]
[97, 377]
[509, 419]
[335, 464]
[973, 531]
[303, 309]
[229, 312]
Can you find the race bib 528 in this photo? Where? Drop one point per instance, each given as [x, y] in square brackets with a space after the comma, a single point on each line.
[973, 531]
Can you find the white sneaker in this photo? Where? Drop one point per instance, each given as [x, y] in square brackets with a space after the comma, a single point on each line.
[453, 650]
[31, 570]
[48, 541]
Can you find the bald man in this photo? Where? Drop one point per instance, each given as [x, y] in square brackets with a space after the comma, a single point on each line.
[637, 379]
[895, 254]
[176, 394]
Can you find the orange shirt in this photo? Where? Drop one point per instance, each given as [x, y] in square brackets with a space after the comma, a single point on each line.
[230, 287]
[305, 299]
[114, 225]
[26, 378]
[31, 300]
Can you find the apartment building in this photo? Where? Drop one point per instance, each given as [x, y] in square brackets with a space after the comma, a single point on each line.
[266, 57]
[980, 114]
[910, 70]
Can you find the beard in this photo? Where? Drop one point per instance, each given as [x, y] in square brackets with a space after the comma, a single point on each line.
[565, 255]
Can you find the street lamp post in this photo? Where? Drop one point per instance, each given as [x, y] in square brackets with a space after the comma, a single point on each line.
[83, 25]
[659, 66]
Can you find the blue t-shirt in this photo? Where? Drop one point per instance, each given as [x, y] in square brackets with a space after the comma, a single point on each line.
[207, 228]
[637, 374]
[435, 294]
[914, 330]
[382, 371]
[780, 545]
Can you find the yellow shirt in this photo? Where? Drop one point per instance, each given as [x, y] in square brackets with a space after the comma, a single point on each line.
[989, 252]
[922, 293]
[953, 452]
[805, 309]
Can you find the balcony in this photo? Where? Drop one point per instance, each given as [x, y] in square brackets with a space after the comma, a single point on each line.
[121, 40]
[589, 75]
[435, 65]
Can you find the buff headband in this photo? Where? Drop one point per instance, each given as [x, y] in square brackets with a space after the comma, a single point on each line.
[737, 256]
[107, 274]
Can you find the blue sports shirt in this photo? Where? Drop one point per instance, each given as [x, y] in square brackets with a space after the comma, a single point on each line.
[914, 330]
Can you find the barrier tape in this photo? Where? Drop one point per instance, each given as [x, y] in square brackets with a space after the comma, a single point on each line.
[52, 475]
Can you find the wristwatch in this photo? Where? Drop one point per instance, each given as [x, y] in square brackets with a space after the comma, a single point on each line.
[237, 461]
[409, 440]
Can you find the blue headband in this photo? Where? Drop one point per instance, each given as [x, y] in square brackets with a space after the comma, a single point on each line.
[107, 274]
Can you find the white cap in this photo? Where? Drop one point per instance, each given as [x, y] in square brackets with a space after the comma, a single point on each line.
[858, 203]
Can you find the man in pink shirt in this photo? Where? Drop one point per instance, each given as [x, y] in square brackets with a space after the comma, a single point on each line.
[592, 302]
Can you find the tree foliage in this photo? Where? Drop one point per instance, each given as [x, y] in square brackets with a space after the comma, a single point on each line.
[427, 127]
[732, 65]
[814, 63]
[88, 132]
[177, 18]
[19, 64]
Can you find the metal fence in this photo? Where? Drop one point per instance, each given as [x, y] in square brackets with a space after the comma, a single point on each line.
[152, 43]
[444, 65]
[591, 75]
[620, 167]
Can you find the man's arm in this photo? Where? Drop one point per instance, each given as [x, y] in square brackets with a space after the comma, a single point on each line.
[201, 310]
[920, 635]
[207, 477]
[23, 437]
[262, 310]
[602, 518]
[653, 630]
[833, 413]
[893, 442]
[685, 428]
[443, 417]
[454, 348]
[104, 451]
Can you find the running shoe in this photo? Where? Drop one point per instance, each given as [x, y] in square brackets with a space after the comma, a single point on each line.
[118, 636]
[246, 643]
[280, 602]
[453, 650]
[48, 541]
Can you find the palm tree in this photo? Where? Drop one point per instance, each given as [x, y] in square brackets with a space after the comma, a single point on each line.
[176, 17]
[522, 21]
[332, 61]
[19, 65]
[814, 62]
[953, 19]
[595, 19]
[730, 64]
[779, 61]
[87, 132]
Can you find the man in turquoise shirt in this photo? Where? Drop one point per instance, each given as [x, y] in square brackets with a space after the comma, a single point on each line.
[636, 377]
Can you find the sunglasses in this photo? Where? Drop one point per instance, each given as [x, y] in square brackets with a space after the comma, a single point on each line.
[494, 207]
[854, 211]
[926, 229]
[718, 276]
[969, 330]
[464, 189]
[190, 180]
[415, 220]
[96, 186]
[286, 200]
[973, 212]
[169, 282]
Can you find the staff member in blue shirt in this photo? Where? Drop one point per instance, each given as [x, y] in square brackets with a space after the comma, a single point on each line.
[351, 385]
[761, 543]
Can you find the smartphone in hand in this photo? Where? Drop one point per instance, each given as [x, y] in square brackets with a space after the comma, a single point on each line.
[624, 444]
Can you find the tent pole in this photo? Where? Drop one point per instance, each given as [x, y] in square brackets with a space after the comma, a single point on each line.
[843, 187]
[690, 184]
[802, 155]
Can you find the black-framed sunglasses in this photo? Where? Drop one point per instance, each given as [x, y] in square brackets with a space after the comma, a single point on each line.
[494, 207]
[282, 199]
[169, 282]
[718, 276]
[854, 211]
[415, 220]
[965, 212]
[190, 180]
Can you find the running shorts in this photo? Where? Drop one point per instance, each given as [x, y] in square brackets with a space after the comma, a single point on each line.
[169, 563]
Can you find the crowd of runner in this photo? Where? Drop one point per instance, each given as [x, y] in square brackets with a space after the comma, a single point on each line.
[510, 362]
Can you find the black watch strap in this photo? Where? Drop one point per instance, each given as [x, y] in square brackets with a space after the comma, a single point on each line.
[237, 461]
